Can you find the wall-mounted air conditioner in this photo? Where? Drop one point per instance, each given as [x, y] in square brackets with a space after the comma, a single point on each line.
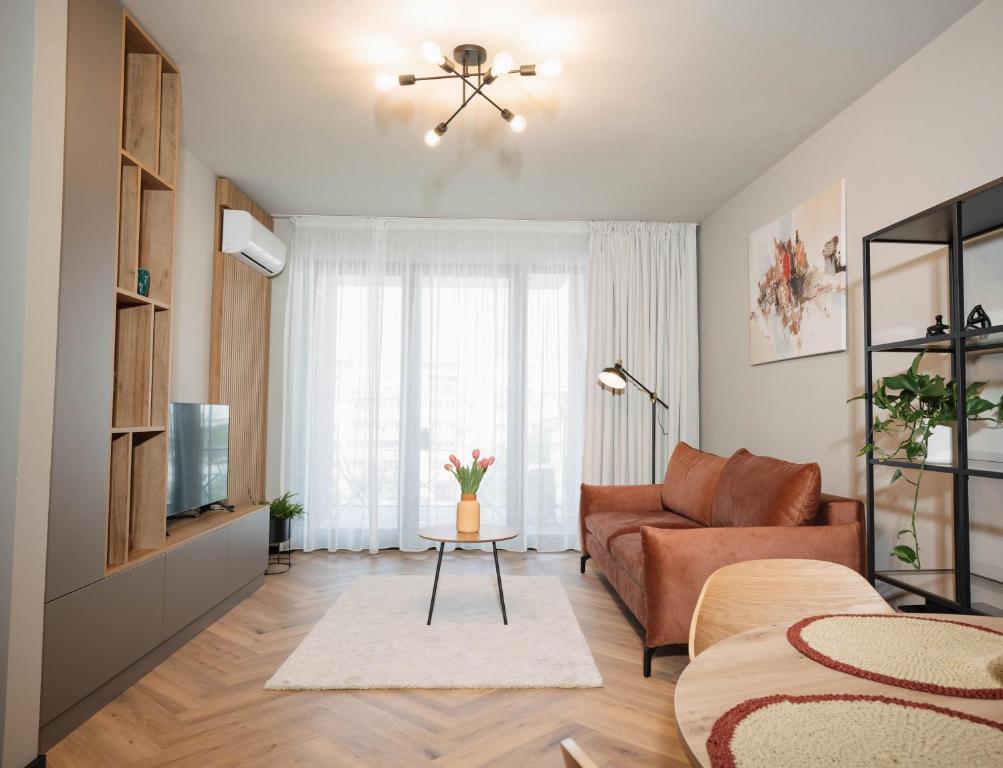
[253, 243]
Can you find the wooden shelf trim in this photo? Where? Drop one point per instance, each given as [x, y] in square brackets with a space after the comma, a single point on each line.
[138, 40]
[134, 430]
[183, 531]
[151, 179]
[127, 298]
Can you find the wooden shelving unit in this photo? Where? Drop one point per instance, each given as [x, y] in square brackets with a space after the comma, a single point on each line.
[147, 168]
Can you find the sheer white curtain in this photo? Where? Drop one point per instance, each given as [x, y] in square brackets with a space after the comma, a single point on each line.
[408, 340]
[642, 309]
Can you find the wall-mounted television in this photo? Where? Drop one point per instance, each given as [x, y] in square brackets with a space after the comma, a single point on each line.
[198, 452]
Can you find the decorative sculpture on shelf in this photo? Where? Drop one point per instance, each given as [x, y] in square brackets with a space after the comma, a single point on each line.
[978, 318]
[939, 328]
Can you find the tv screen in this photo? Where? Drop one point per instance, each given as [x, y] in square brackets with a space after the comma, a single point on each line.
[198, 440]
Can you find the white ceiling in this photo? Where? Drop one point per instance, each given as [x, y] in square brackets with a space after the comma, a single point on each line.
[665, 110]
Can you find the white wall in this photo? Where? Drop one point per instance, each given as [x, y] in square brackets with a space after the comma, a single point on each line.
[276, 358]
[190, 314]
[931, 130]
[33, 90]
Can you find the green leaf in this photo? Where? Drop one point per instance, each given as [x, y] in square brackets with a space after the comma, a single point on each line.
[974, 388]
[914, 450]
[976, 406]
[896, 382]
[896, 475]
[904, 553]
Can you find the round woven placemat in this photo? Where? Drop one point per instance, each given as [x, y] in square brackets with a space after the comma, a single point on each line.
[851, 731]
[932, 655]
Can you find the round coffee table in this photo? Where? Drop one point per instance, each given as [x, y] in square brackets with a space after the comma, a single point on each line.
[446, 535]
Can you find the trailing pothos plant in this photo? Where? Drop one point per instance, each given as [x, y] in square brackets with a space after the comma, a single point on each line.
[915, 405]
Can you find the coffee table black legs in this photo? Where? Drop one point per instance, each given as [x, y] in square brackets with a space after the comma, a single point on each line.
[435, 584]
[501, 592]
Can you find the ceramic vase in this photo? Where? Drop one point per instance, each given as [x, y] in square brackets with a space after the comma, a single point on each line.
[468, 513]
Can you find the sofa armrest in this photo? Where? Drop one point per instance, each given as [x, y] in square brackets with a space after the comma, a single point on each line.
[677, 562]
[837, 510]
[616, 498]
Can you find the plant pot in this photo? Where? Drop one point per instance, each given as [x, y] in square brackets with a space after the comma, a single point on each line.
[279, 530]
[940, 448]
[468, 513]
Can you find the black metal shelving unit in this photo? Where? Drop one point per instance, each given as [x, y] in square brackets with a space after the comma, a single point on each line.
[950, 224]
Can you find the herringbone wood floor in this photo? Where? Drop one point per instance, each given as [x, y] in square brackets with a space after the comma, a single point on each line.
[205, 706]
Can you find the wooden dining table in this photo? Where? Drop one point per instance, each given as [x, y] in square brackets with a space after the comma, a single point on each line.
[762, 662]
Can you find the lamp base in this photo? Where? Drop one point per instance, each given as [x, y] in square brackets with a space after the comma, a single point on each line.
[469, 55]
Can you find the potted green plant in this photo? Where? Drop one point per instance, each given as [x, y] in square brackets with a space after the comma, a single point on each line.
[282, 510]
[917, 404]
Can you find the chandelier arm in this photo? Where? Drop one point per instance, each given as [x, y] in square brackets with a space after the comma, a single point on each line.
[478, 91]
[459, 109]
[437, 77]
[468, 99]
[489, 100]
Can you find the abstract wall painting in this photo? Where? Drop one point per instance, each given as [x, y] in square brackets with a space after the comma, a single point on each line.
[797, 281]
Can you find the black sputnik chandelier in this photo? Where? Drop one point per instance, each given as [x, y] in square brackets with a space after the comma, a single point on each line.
[467, 66]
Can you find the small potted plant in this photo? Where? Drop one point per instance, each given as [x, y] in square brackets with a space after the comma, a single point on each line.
[282, 510]
[468, 508]
[919, 405]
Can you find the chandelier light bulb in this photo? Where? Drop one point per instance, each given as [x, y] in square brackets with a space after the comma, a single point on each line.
[502, 64]
[551, 68]
[385, 82]
[518, 123]
[432, 139]
[431, 52]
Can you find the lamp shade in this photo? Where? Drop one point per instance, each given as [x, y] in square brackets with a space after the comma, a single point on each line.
[612, 379]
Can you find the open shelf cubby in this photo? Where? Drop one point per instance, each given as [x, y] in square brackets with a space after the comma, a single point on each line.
[118, 498]
[147, 165]
[133, 363]
[148, 521]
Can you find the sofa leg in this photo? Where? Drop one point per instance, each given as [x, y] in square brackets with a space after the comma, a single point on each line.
[672, 649]
[584, 558]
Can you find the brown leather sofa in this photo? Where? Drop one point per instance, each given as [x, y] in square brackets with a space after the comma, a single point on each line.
[657, 544]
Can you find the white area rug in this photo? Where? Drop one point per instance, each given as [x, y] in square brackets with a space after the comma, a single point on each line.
[375, 636]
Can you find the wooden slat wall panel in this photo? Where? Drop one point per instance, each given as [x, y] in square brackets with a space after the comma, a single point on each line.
[238, 350]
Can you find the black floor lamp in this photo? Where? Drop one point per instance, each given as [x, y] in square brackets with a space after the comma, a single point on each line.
[615, 380]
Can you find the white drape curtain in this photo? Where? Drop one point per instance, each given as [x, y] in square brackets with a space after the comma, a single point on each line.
[642, 309]
[408, 340]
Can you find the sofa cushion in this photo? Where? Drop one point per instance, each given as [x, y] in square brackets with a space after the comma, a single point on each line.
[606, 526]
[626, 551]
[690, 482]
[760, 490]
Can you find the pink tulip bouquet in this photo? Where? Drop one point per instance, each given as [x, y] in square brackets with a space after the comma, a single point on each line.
[470, 477]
